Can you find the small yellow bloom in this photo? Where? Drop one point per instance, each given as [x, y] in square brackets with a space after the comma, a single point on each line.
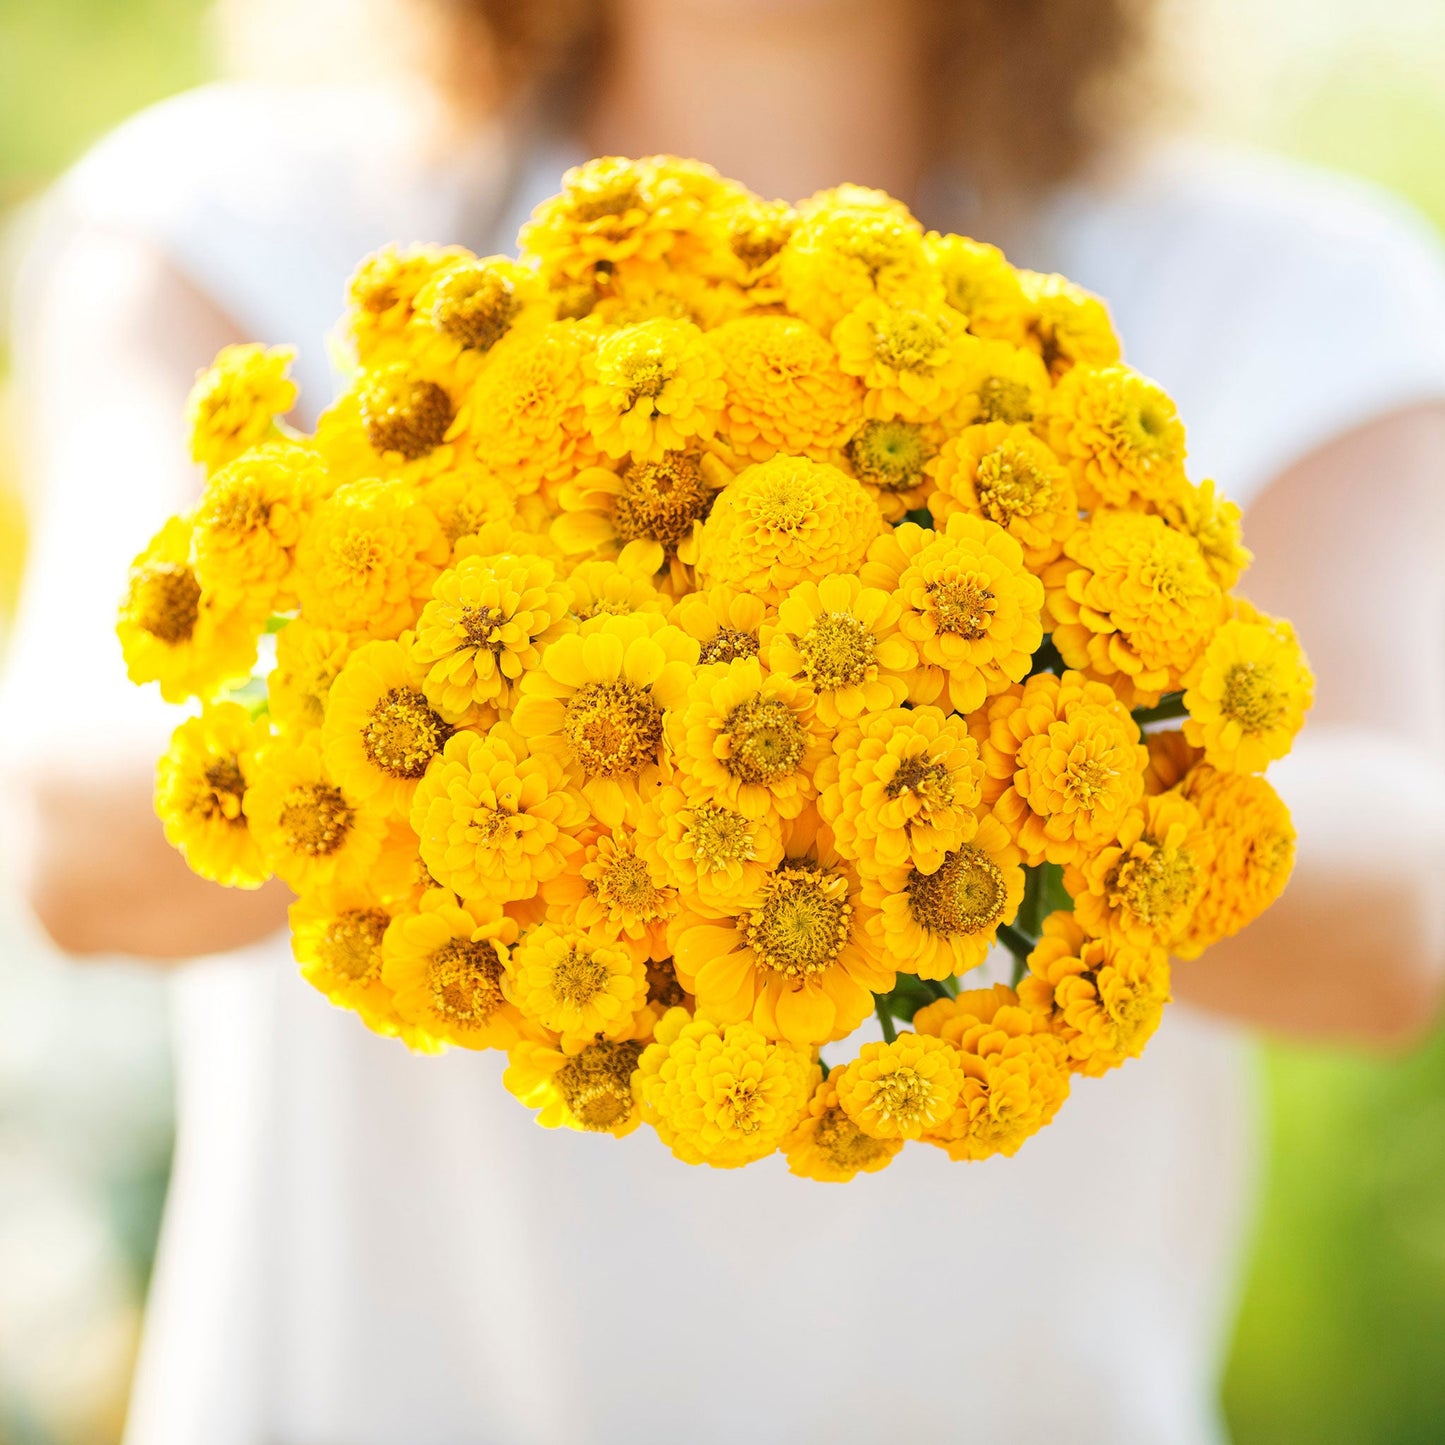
[578, 984]
[891, 458]
[236, 400]
[726, 623]
[465, 308]
[903, 1089]
[909, 360]
[590, 1090]
[828, 1146]
[617, 890]
[382, 295]
[601, 590]
[1206, 514]
[999, 383]
[981, 285]
[467, 498]
[308, 659]
[1067, 325]
[756, 232]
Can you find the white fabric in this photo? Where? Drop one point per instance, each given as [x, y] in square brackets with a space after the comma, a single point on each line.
[363, 1247]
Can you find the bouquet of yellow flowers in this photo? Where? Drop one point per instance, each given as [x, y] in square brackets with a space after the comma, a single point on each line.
[725, 623]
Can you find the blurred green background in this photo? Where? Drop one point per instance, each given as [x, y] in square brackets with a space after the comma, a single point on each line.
[1343, 1320]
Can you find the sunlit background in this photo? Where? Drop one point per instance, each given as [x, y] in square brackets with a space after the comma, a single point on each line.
[1344, 1311]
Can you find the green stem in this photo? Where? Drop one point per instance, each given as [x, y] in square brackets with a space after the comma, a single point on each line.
[1170, 706]
[1021, 967]
[1017, 943]
[939, 988]
[885, 1020]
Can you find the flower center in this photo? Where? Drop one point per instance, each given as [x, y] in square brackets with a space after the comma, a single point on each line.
[351, 945]
[402, 413]
[488, 824]
[627, 885]
[1155, 885]
[765, 741]
[1087, 780]
[890, 455]
[1000, 399]
[1252, 698]
[578, 976]
[475, 305]
[844, 1143]
[837, 651]
[719, 836]
[374, 287]
[226, 788]
[482, 626]
[661, 500]
[909, 341]
[165, 600]
[645, 373]
[1010, 484]
[596, 1085]
[403, 734]
[613, 728]
[466, 981]
[928, 781]
[238, 508]
[903, 1094]
[315, 819]
[727, 644]
[960, 606]
[783, 502]
[965, 894]
[802, 924]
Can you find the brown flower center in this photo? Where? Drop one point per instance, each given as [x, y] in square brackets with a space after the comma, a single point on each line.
[475, 305]
[466, 981]
[596, 1084]
[766, 742]
[403, 734]
[613, 728]
[802, 923]
[965, 894]
[661, 500]
[351, 944]
[165, 601]
[402, 413]
[315, 819]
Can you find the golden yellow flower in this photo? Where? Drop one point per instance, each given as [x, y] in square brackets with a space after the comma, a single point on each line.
[580, 984]
[235, 402]
[756, 232]
[910, 360]
[999, 383]
[382, 294]
[1248, 696]
[1119, 434]
[367, 559]
[651, 388]
[782, 522]
[1067, 325]
[1016, 1074]
[447, 965]
[979, 283]
[793, 956]
[494, 818]
[590, 1090]
[1064, 765]
[828, 1146]
[1207, 515]
[723, 1095]
[841, 639]
[466, 498]
[1254, 850]
[308, 659]
[612, 589]
[201, 784]
[617, 890]
[1004, 472]
[465, 308]
[313, 834]
[726, 623]
[1170, 758]
[486, 624]
[891, 459]
[175, 633]
[336, 938]
[1103, 998]
[597, 704]
[1143, 886]
[903, 1089]
[970, 606]
[1132, 603]
[944, 922]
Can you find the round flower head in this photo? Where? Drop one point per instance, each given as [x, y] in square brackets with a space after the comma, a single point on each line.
[782, 522]
[1119, 434]
[1016, 1074]
[467, 307]
[201, 785]
[486, 624]
[1103, 998]
[1005, 473]
[793, 956]
[891, 458]
[981, 286]
[970, 607]
[999, 383]
[447, 965]
[367, 559]
[841, 639]
[597, 704]
[749, 739]
[1067, 325]
[726, 623]
[900, 788]
[1248, 696]
[1254, 850]
[381, 733]
[312, 832]
[609, 589]
[651, 388]
[785, 389]
[578, 984]
[909, 359]
[756, 232]
[590, 1090]
[175, 633]
[406, 417]
[308, 660]
[494, 819]
[1143, 886]
[616, 891]
[828, 1146]
[722, 1094]
[1064, 765]
[1132, 603]
[382, 296]
[236, 400]
[903, 1089]
[466, 498]
[944, 922]
[1206, 514]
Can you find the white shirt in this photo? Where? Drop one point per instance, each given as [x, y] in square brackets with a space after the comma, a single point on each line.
[365, 1247]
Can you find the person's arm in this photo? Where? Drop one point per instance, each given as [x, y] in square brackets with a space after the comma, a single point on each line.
[1351, 546]
[112, 341]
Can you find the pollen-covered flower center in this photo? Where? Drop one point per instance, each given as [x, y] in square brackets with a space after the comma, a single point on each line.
[374, 287]
[627, 884]
[596, 1084]
[661, 500]
[225, 792]
[727, 644]
[466, 981]
[315, 819]
[1154, 883]
[960, 606]
[1000, 399]
[1088, 778]
[402, 413]
[1010, 484]
[351, 945]
[802, 923]
[488, 824]
[645, 373]
[928, 781]
[481, 627]
[890, 455]
[237, 508]
[613, 728]
[966, 894]
[740, 1108]
[1252, 698]
[403, 734]
[905, 1095]
[909, 341]
[578, 976]
[475, 305]
[766, 742]
[837, 651]
[844, 1143]
[719, 837]
[165, 601]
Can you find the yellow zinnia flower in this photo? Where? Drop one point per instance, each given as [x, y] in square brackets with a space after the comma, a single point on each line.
[756, 232]
[201, 784]
[979, 283]
[467, 498]
[308, 659]
[382, 293]
[590, 1090]
[726, 623]
[616, 890]
[909, 360]
[1067, 325]
[891, 458]
[236, 400]
[970, 606]
[902, 1089]
[828, 1146]
[465, 308]
[577, 983]
[999, 383]
[1206, 514]
[610, 589]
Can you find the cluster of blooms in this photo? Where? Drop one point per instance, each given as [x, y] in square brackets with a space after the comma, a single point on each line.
[727, 622]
